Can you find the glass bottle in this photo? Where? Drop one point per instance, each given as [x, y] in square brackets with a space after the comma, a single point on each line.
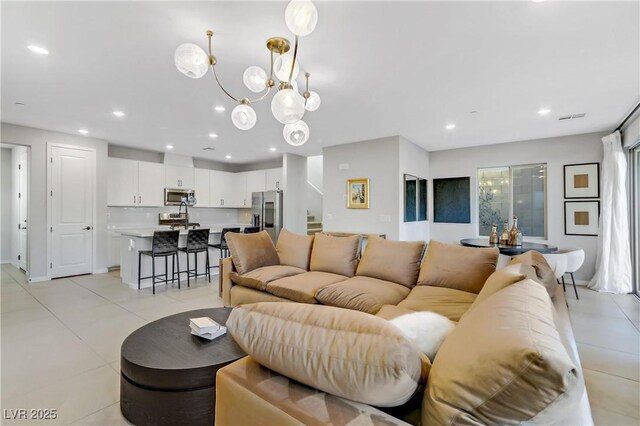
[504, 238]
[519, 238]
[514, 232]
[493, 238]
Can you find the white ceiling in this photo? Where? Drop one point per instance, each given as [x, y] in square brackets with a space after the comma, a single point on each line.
[381, 68]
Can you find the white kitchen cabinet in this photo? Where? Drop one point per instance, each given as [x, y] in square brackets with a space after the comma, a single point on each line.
[273, 179]
[150, 184]
[240, 189]
[202, 188]
[122, 182]
[255, 181]
[178, 177]
[223, 186]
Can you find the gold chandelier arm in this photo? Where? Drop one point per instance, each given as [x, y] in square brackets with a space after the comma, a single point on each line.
[215, 76]
[252, 101]
[293, 63]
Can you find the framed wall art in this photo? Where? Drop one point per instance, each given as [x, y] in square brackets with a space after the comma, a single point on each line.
[581, 217]
[582, 180]
[451, 202]
[358, 193]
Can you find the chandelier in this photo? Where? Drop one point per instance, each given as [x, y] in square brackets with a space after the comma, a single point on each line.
[287, 105]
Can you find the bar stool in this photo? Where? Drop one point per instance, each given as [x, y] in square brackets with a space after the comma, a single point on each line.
[223, 247]
[197, 242]
[164, 244]
[251, 229]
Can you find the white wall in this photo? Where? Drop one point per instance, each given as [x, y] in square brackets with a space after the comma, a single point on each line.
[314, 187]
[375, 159]
[413, 160]
[37, 139]
[6, 210]
[294, 170]
[555, 152]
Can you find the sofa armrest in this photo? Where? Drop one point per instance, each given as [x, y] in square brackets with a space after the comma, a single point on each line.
[224, 280]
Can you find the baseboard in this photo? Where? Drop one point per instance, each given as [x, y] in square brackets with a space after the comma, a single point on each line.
[2, 262]
[38, 279]
[101, 271]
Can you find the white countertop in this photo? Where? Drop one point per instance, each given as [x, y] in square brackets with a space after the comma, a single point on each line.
[147, 232]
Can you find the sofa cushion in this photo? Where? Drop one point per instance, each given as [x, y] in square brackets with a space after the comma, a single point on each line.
[444, 301]
[294, 249]
[503, 364]
[395, 261]
[544, 273]
[502, 278]
[338, 255]
[259, 278]
[390, 312]
[251, 251]
[362, 294]
[239, 295]
[341, 352]
[303, 287]
[457, 267]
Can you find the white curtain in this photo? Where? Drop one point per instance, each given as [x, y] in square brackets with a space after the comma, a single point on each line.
[613, 262]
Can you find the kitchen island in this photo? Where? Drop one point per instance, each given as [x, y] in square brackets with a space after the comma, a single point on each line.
[134, 240]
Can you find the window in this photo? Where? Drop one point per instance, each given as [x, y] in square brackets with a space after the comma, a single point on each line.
[504, 192]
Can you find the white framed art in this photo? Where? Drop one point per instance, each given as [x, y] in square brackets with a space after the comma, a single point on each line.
[581, 217]
[582, 180]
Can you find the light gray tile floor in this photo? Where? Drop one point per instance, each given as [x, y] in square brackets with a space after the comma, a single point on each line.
[60, 343]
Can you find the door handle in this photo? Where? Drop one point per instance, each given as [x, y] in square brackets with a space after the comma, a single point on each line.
[24, 227]
[134, 199]
[88, 228]
[139, 199]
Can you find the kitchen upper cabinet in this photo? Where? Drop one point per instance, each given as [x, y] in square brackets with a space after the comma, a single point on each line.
[178, 177]
[150, 188]
[122, 182]
[223, 186]
[273, 179]
[202, 187]
[255, 181]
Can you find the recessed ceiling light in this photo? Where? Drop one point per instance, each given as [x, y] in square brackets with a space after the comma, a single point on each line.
[450, 126]
[228, 157]
[83, 131]
[169, 146]
[538, 1]
[544, 111]
[219, 108]
[118, 113]
[213, 135]
[37, 49]
[272, 149]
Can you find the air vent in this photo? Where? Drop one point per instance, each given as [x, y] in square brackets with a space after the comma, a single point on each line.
[572, 116]
[208, 148]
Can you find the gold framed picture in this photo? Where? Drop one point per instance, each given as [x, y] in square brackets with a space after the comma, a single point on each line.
[358, 193]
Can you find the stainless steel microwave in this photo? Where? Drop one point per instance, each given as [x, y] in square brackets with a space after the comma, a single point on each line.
[175, 196]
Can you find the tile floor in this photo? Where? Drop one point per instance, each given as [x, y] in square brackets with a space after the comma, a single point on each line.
[61, 341]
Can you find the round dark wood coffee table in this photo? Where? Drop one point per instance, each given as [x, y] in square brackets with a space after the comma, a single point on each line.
[168, 375]
[509, 250]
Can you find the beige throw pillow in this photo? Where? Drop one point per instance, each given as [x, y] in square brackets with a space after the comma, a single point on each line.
[338, 255]
[544, 273]
[503, 278]
[503, 364]
[345, 353]
[251, 251]
[395, 261]
[457, 267]
[294, 249]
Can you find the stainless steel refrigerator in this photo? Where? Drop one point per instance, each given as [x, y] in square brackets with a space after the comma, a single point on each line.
[267, 212]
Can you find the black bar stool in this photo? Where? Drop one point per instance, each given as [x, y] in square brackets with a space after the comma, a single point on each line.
[251, 229]
[223, 247]
[197, 242]
[164, 244]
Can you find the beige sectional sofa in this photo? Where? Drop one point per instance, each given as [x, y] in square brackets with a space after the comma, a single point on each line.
[511, 359]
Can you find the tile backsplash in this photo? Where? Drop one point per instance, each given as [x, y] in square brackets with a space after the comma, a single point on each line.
[132, 217]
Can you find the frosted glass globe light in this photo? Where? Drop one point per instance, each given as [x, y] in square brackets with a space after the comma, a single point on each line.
[255, 78]
[282, 67]
[301, 17]
[191, 60]
[287, 106]
[313, 102]
[297, 133]
[243, 117]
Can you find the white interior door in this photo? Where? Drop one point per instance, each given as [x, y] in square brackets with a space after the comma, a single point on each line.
[72, 195]
[23, 173]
